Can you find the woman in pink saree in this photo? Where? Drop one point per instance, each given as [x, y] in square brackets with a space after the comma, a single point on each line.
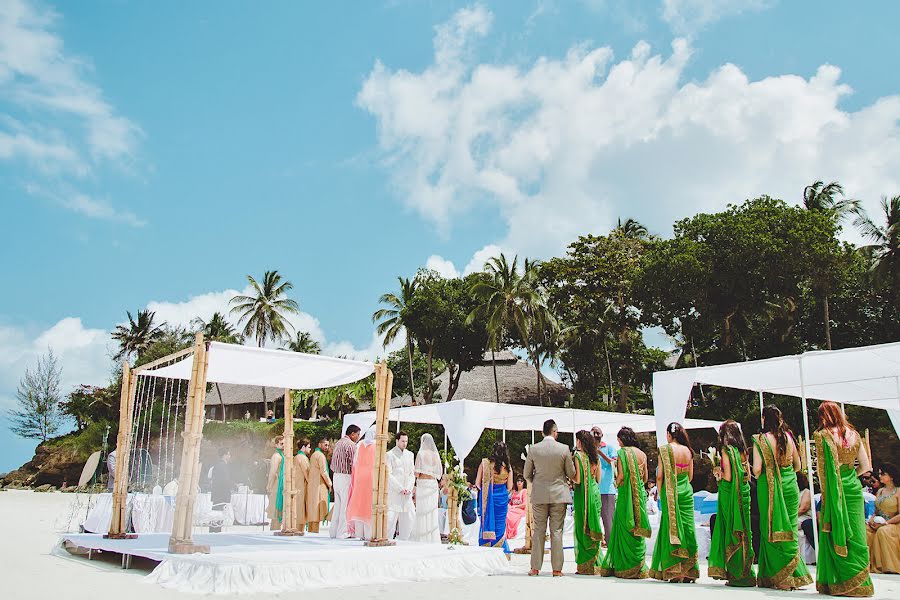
[518, 500]
[359, 507]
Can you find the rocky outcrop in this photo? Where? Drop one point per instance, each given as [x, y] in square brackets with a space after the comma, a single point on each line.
[51, 465]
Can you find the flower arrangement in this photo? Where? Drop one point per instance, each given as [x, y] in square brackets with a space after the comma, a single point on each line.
[455, 538]
[713, 455]
[456, 477]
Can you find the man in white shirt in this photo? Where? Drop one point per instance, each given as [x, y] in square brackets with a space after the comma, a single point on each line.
[401, 479]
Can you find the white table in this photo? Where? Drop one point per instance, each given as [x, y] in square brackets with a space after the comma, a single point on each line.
[250, 509]
[150, 513]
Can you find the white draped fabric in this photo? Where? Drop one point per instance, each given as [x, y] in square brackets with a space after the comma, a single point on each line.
[246, 365]
[465, 420]
[866, 376]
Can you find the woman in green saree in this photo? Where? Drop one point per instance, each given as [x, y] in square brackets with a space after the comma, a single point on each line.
[675, 552]
[625, 554]
[731, 550]
[586, 506]
[842, 568]
[776, 462]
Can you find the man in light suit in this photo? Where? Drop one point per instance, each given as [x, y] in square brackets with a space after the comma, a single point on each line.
[548, 470]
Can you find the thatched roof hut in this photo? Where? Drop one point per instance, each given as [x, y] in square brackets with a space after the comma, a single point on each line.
[516, 379]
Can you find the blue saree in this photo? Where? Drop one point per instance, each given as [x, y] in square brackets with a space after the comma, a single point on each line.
[493, 504]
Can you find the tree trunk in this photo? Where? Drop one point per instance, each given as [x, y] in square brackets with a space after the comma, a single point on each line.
[221, 401]
[412, 384]
[827, 316]
[609, 369]
[537, 367]
[496, 384]
[453, 385]
[266, 404]
[623, 391]
[314, 407]
[429, 391]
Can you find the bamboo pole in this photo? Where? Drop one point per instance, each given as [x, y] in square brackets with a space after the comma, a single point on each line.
[289, 525]
[181, 541]
[118, 524]
[452, 510]
[384, 379]
[165, 359]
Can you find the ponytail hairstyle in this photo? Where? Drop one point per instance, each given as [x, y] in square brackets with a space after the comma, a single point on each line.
[588, 446]
[774, 423]
[831, 417]
[500, 458]
[730, 434]
[678, 433]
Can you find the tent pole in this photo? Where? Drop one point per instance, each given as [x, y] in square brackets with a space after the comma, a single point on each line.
[573, 429]
[504, 430]
[123, 448]
[809, 459]
[289, 525]
[761, 404]
[532, 437]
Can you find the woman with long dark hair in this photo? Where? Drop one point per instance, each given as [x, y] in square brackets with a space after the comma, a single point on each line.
[518, 507]
[775, 464]
[675, 552]
[842, 566]
[586, 505]
[494, 482]
[731, 550]
[883, 531]
[627, 546]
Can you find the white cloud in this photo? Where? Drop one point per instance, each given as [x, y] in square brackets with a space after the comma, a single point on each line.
[443, 266]
[688, 17]
[66, 128]
[570, 144]
[83, 354]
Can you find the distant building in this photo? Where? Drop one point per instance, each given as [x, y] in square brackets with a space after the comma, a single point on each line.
[516, 379]
[238, 400]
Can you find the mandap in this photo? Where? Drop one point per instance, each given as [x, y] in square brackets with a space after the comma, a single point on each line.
[214, 362]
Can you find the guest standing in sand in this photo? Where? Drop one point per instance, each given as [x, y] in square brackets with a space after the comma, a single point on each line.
[548, 469]
[318, 484]
[341, 471]
[301, 474]
[275, 484]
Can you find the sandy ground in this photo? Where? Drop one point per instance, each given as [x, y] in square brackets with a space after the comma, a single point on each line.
[30, 525]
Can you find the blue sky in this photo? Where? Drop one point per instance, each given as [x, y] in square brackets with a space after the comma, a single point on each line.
[153, 154]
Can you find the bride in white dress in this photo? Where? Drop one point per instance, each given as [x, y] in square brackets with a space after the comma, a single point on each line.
[429, 471]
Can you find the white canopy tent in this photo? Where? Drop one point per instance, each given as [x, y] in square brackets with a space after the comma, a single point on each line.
[866, 376]
[245, 365]
[465, 420]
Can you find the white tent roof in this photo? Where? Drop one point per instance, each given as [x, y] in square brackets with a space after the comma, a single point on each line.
[866, 376]
[465, 420]
[245, 365]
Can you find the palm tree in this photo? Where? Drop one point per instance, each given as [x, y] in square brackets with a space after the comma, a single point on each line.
[218, 329]
[508, 302]
[303, 342]
[632, 228]
[137, 336]
[828, 199]
[884, 252]
[391, 322]
[264, 314]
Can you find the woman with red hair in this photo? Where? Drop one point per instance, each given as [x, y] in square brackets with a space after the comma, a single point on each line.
[842, 568]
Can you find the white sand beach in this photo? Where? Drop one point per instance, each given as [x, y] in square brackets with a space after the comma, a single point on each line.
[30, 524]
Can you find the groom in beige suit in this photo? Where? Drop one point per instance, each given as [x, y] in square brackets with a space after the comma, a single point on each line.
[548, 470]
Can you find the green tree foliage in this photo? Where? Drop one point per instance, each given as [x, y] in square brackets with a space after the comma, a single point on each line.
[591, 290]
[437, 319]
[88, 404]
[303, 342]
[264, 314]
[390, 322]
[730, 282]
[137, 335]
[38, 413]
[398, 362]
[218, 329]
